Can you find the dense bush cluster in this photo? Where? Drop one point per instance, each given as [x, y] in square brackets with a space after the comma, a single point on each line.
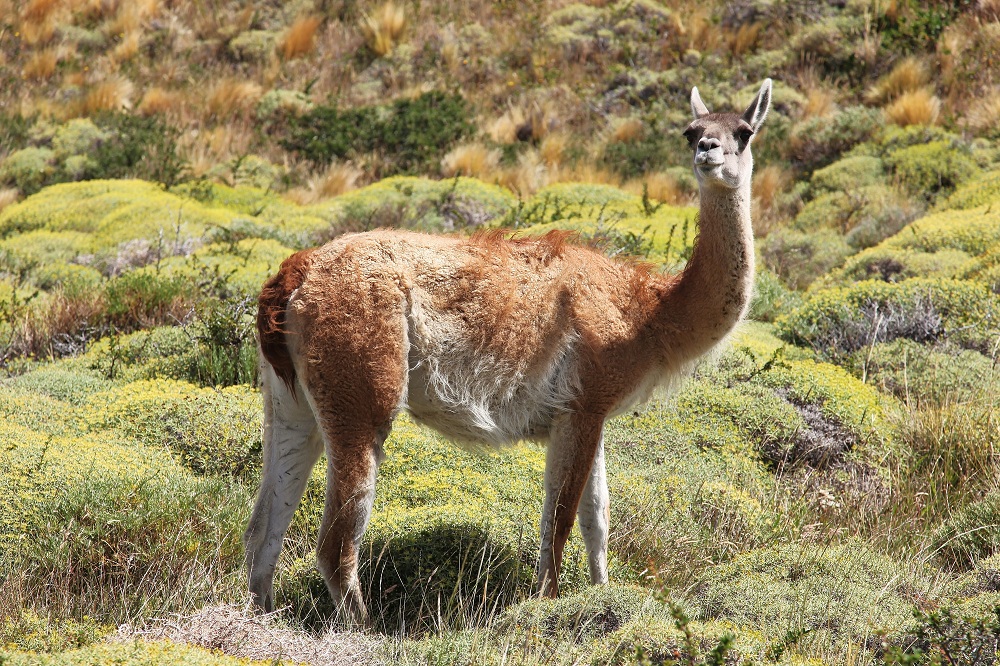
[411, 135]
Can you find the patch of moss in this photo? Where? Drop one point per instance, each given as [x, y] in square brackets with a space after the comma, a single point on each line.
[848, 590]
[29, 632]
[136, 653]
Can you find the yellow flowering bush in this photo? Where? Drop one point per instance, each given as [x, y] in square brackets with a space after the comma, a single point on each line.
[213, 431]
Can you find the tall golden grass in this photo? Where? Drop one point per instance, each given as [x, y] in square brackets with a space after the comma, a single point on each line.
[471, 159]
[916, 107]
[230, 97]
[41, 65]
[383, 28]
[909, 74]
[300, 38]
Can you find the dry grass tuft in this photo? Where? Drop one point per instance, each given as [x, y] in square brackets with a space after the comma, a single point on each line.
[531, 121]
[529, 176]
[338, 178]
[236, 631]
[229, 97]
[128, 47]
[38, 11]
[662, 187]
[983, 113]
[383, 28]
[471, 159]
[909, 75]
[8, 197]
[41, 65]
[768, 183]
[553, 149]
[36, 34]
[989, 9]
[113, 94]
[503, 130]
[628, 130]
[820, 102]
[917, 107]
[300, 38]
[744, 38]
[588, 173]
[159, 101]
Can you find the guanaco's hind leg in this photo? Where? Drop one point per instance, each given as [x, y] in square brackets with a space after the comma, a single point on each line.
[595, 518]
[352, 463]
[575, 440]
[291, 449]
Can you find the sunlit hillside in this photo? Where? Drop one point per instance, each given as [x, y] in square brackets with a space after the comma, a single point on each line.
[824, 491]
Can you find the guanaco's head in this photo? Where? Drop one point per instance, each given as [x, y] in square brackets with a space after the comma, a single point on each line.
[721, 141]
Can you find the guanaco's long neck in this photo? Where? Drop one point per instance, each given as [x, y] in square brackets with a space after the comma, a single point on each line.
[713, 293]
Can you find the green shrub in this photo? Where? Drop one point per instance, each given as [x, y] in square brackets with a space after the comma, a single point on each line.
[413, 134]
[977, 191]
[136, 147]
[932, 169]
[849, 173]
[97, 525]
[140, 299]
[28, 169]
[866, 215]
[894, 265]
[212, 432]
[842, 320]
[819, 141]
[227, 346]
[32, 633]
[771, 297]
[950, 636]
[799, 258]
[72, 278]
[917, 26]
[14, 132]
[914, 371]
[78, 136]
[844, 591]
[972, 533]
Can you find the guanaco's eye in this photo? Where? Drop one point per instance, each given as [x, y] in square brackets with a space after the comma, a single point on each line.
[691, 134]
[744, 136]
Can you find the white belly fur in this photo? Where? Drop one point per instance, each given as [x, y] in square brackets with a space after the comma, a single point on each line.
[476, 398]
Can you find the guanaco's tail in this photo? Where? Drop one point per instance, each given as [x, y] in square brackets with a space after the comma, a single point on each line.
[271, 314]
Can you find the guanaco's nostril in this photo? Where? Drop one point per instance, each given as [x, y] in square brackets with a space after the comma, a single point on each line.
[708, 144]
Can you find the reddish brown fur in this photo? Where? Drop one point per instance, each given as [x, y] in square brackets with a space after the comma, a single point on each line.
[271, 313]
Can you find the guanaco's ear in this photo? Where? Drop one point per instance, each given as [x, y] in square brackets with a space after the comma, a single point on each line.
[757, 111]
[698, 107]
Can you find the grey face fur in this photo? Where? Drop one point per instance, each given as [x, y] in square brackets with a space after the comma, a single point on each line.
[721, 141]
